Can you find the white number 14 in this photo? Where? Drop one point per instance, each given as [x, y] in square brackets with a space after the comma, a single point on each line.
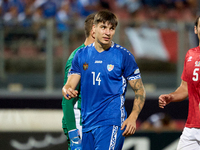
[96, 78]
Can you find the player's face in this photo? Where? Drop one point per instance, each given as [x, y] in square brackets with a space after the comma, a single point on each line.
[104, 33]
[197, 29]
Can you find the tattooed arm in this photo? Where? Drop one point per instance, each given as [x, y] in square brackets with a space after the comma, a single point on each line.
[130, 123]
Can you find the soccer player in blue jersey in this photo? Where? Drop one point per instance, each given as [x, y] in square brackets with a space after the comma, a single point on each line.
[104, 68]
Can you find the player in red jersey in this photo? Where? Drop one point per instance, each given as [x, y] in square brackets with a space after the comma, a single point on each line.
[190, 87]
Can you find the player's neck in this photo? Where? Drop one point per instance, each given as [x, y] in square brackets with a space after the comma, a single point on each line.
[101, 47]
[89, 40]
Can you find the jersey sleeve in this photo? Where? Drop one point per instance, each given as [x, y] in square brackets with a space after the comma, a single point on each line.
[75, 68]
[131, 70]
[184, 76]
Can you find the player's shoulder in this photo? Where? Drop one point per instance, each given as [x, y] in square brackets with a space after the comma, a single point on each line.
[121, 49]
[75, 51]
[193, 51]
[85, 48]
[79, 48]
[89, 46]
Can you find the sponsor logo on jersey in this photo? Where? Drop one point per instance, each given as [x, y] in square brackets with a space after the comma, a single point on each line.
[98, 61]
[197, 63]
[190, 58]
[110, 67]
[85, 66]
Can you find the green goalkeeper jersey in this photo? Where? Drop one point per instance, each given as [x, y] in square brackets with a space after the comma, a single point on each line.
[68, 106]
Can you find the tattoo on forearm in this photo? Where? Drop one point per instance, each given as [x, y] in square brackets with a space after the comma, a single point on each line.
[138, 102]
[137, 85]
[138, 88]
[140, 97]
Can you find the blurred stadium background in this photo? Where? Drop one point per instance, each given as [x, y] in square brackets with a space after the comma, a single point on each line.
[36, 38]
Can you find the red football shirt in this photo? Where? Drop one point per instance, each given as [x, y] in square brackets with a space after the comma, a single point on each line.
[191, 74]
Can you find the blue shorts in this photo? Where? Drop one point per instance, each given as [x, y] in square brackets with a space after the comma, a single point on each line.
[103, 138]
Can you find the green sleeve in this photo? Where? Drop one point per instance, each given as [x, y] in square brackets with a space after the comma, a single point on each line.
[68, 121]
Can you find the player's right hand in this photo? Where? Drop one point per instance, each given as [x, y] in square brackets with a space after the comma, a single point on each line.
[164, 100]
[69, 93]
[75, 141]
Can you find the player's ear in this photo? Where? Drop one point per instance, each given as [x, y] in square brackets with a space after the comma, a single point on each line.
[195, 30]
[93, 27]
[92, 32]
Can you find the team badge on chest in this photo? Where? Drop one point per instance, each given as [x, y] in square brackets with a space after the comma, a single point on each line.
[197, 63]
[85, 66]
[110, 67]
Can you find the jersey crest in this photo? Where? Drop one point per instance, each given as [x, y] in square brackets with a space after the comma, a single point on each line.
[110, 67]
[197, 63]
[85, 66]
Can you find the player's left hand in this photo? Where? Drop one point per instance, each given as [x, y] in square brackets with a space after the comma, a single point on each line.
[129, 126]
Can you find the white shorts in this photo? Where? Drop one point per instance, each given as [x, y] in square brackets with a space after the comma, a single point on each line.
[190, 139]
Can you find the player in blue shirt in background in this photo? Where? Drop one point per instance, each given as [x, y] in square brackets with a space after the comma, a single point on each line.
[104, 68]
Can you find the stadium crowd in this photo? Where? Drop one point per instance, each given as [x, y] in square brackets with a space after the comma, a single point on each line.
[27, 12]
[70, 14]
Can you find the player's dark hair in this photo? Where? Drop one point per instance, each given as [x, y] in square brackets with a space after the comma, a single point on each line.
[88, 24]
[197, 21]
[104, 16]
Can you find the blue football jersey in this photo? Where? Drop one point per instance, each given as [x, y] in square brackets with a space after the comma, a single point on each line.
[104, 78]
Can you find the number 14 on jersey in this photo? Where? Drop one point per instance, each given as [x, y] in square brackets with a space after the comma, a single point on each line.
[96, 78]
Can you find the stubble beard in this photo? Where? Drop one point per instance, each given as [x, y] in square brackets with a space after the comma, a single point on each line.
[104, 46]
